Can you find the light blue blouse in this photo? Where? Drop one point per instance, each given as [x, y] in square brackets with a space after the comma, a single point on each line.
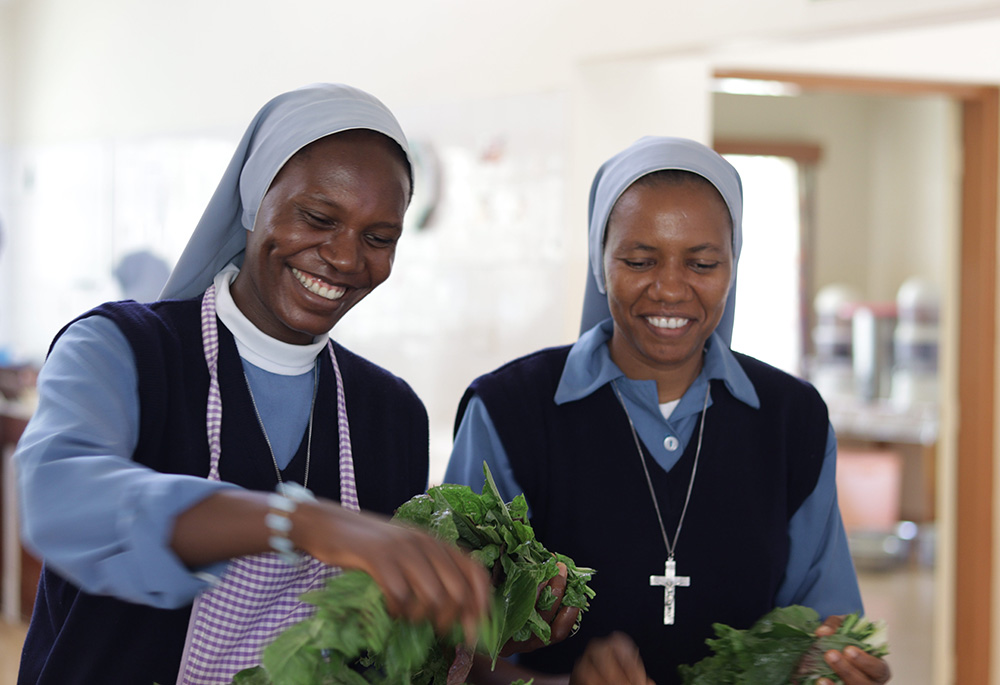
[820, 571]
[97, 517]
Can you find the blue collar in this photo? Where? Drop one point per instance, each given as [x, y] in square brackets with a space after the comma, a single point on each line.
[589, 367]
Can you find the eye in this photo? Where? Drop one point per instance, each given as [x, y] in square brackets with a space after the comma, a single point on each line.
[382, 240]
[702, 265]
[317, 219]
[637, 264]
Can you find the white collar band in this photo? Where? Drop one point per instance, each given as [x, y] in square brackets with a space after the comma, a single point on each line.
[255, 346]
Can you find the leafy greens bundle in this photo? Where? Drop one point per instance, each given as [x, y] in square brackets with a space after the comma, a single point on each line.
[781, 647]
[351, 627]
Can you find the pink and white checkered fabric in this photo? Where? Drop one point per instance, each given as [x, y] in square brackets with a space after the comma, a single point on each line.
[258, 597]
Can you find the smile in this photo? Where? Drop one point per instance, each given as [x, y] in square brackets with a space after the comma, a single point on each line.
[667, 322]
[314, 285]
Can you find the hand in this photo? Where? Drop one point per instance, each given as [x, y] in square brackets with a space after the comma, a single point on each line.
[421, 577]
[853, 665]
[614, 659]
[560, 619]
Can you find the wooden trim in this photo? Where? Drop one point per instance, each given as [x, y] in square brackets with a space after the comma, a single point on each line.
[803, 153]
[858, 86]
[976, 346]
[976, 391]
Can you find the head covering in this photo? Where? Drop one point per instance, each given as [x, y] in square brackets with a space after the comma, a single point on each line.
[645, 156]
[281, 128]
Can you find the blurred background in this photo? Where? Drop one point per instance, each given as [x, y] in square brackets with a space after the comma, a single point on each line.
[865, 131]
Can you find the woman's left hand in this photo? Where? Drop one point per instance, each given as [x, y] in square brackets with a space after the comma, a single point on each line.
[560, 619]
[854, 666]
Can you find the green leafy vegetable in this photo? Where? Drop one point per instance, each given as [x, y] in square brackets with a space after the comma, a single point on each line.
[352, 639]
[781, 647]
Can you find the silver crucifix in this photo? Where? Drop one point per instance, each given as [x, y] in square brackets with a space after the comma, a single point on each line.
[669, 580]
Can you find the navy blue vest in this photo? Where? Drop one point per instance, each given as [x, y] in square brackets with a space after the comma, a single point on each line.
[582, 477]
[75, 636]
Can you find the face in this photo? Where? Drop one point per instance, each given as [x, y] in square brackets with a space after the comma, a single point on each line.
[667, 261]
[325, 235]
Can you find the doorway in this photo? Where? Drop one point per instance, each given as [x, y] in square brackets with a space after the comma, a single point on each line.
[965, 619]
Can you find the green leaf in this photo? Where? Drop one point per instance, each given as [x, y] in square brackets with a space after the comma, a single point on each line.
[518, 601]
[352, 639]
[778, 647]
[252, 676]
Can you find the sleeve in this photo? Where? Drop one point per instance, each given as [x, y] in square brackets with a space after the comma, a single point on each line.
[477, 441]
[820, 572]
[94, 515]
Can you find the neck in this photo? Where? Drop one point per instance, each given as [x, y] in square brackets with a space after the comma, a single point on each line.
[671, 382]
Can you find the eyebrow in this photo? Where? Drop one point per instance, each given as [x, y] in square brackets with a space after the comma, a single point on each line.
[703, 247]
[707, 247]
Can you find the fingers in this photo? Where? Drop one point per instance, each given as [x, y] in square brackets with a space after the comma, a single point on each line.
[562, 624]
[614, 659]
[560, 619]
[558, 585]
[855, 667]
[421, 577]
[830, 625]
[428, 580]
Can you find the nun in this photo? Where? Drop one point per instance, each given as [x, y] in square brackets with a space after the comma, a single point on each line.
[197, 463]
[697, 481]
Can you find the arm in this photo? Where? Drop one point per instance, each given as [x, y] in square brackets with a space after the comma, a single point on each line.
[92, 513]
[477, 441]
[421, 577]
[820, 572]
[122, 529]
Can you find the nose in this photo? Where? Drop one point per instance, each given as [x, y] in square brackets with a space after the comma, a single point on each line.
[670, 283]
[343, 251]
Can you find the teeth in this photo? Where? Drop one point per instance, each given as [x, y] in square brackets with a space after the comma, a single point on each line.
[316, 286]
[667, 322]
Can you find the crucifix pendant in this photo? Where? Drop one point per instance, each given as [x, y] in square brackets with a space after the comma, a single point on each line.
[669, 580]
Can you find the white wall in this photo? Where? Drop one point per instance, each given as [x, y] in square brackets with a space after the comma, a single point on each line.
[914, 157]
[129, 67]
[886, 183]
[6, 133]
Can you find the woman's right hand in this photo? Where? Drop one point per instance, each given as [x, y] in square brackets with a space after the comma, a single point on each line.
[422, 578]
[612, 659]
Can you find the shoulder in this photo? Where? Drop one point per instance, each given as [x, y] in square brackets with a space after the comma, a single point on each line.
[132, 315]
[530, 368]
[772, 381]
[526, 381]
[140, 324]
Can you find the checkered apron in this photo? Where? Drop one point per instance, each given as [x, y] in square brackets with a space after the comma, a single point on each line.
[258, 596]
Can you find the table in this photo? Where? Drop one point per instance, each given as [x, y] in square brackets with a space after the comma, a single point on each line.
[20, 570]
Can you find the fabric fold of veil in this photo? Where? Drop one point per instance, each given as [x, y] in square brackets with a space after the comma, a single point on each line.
[646, 155]
[284, 125]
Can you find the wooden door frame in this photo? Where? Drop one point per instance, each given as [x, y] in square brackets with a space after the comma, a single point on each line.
[974, 497]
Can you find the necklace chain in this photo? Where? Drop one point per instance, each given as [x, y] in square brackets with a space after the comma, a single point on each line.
[312, 408]
[649, 481]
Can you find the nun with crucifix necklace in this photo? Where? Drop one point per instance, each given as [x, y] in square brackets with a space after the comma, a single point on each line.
[649, 444]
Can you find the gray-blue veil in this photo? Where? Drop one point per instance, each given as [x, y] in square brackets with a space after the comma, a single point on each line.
[284, 125]
[643, 157]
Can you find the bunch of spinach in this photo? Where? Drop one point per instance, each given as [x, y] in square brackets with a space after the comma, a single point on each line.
[352, 639]
[781, 647]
